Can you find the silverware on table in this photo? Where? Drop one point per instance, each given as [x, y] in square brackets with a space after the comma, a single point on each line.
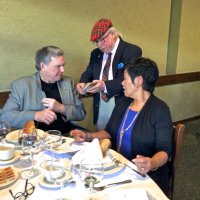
[115, 160]
[100, 188]
[120, 162]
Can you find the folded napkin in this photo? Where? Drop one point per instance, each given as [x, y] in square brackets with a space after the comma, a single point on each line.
[91, 154]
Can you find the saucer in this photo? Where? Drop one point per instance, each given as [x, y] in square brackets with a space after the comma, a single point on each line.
[15, 158]
[45, 184]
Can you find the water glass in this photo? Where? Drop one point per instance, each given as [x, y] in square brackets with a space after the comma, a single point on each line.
[4, 130]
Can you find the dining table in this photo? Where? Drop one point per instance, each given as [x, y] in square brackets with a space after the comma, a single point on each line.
[141, 188]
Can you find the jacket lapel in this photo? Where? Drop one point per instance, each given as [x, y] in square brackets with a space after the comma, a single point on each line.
[98, 64]
[64, 91]
[118, 57]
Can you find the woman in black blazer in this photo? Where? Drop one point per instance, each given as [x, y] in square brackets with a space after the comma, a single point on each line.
[140, 127]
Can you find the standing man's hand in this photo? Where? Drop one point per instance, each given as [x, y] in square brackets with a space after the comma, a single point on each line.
[80, 87]
[98, 87]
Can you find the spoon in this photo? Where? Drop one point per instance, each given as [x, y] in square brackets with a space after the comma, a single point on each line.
[100, 188]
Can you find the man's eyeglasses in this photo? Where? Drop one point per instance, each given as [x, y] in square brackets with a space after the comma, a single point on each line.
[102, 39]
[28, 190]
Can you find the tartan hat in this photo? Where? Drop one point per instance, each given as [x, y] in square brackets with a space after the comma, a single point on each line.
[100, 28]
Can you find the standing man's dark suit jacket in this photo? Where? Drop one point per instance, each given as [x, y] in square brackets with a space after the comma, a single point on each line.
[125, 52]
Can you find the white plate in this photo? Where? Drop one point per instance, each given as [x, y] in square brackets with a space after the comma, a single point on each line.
[114, 170]
[48, 185]
[12, 137]
[77, 146]
[7, 183]
[109, 171]
[108, 164]
[15, 158]
[70, 146]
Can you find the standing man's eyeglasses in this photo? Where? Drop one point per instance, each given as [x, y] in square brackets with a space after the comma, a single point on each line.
[102, 39]
[28, 190]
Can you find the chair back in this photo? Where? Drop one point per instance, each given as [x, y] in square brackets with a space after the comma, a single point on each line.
[176, 154]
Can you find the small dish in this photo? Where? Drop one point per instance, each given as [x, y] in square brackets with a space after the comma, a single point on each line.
[7, 162]
[44, 183]
[7, 151]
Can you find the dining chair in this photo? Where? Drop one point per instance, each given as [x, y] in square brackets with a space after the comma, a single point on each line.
[176, 154]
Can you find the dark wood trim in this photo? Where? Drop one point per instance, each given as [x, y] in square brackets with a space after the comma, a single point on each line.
[3, 97]
[187, 120]
[178, 78]
[162, 81]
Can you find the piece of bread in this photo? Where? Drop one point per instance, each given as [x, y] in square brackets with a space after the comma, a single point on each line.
[6, 175]
[105, 144]
[29, 127]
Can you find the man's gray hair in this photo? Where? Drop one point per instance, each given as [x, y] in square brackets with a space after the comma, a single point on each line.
[114, 31]
[45, 54]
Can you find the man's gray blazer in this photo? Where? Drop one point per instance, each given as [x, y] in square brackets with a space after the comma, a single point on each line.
[26, 96]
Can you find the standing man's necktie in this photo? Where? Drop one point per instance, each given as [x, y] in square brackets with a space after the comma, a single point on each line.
[105, 75]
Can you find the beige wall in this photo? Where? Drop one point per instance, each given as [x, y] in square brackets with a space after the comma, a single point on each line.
[189, 43]
[183, 99]
[27, 25]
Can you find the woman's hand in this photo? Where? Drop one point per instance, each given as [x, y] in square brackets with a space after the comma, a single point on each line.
[143, 164]
[78, 135]
[146, 164]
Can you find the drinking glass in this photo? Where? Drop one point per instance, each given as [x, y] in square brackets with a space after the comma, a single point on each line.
[4, 129]
[31, 144]
[53, 141]
[25, 160]
[91, 172]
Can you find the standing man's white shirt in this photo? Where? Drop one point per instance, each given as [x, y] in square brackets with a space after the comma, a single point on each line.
[106, 108]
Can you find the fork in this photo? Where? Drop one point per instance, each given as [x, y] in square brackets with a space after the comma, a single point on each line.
[100, 188]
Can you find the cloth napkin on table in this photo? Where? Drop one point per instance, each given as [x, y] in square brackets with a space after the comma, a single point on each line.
[91, 154]
[128, 194]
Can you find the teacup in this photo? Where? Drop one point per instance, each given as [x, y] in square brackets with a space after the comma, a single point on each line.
[7, 151]
[53, 170]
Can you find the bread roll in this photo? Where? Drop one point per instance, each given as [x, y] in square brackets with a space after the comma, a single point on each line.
[104, 145]
[29, 127]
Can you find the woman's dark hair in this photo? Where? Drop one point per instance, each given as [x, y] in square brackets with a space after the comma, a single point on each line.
[146, 68]
[45, 54]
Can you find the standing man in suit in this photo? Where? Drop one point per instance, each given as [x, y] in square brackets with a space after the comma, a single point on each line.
[105, 69]
[47, 96]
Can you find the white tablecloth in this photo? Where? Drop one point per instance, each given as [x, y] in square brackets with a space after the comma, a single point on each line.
[140, 188]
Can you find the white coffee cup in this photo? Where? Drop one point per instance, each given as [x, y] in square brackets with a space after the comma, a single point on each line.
[53, 170]
[7, 151]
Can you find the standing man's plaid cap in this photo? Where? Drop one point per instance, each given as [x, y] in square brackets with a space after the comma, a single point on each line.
[100, 28]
